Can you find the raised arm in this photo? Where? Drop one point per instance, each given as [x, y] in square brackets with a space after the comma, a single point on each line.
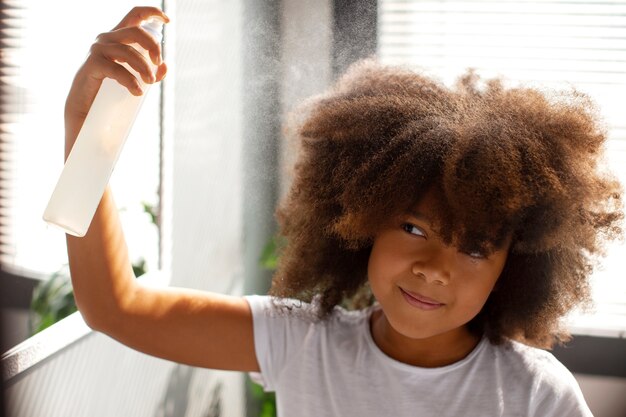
[193, 327]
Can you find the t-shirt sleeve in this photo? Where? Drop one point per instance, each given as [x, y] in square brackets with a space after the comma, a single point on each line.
[558, 393]
[278, 335]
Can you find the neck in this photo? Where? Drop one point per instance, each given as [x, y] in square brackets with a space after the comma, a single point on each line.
[436, 351]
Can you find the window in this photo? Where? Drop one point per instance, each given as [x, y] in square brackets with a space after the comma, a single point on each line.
[42, 52]
[555, 44]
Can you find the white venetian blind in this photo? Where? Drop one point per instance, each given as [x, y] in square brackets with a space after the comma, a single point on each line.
[543, 43]
[42, 46]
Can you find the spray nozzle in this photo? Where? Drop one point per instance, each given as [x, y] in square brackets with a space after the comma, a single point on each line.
[154, 26]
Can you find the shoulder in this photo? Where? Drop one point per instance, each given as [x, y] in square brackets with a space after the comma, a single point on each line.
[293, 309]
[298, 319]
[268, 306]
[549, 385]
[291, 341]
[534, 361]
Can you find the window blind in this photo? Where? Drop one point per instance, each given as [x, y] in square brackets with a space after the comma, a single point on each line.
[547, 44]
[41, 50]
[12, 103]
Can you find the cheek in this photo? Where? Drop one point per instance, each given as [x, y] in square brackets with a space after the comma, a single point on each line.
[379, 255]
[474, 290]
[382, 267]
[389, 258]
[469, 301]
[375, 270]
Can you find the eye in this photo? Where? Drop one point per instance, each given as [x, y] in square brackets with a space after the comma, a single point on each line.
[412, 229]
[476, 255]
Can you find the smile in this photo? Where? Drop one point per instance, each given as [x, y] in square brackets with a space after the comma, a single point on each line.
[419, 301]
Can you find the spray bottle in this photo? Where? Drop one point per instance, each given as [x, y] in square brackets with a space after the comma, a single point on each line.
[90, 163]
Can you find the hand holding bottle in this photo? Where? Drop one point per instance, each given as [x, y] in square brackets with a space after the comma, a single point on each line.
[105, 98]
[104, 61]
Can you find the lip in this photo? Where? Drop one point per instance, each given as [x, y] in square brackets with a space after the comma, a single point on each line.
[420, 301]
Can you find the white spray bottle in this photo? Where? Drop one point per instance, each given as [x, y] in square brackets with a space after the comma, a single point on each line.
[90, 163]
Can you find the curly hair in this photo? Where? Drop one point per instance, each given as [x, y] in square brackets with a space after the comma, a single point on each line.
[503, 162]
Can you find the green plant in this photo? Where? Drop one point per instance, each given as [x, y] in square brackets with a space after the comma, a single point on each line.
[152, 210]
[266, 400]
[52, 301]
[270, 254]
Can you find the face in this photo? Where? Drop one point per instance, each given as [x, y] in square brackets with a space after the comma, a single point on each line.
[424, 287]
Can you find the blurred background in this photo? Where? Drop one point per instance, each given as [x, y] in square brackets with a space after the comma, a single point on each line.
[206, 163]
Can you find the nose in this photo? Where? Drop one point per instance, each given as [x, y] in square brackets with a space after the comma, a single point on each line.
[435, 268]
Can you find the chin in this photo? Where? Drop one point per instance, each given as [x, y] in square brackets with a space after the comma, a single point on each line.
[413, 330]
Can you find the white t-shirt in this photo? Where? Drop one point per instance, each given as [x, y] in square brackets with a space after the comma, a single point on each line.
[334, 368]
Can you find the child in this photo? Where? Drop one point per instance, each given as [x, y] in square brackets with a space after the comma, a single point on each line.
[463, 223]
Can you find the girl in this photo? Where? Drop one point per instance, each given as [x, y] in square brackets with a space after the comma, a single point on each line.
[461, 225]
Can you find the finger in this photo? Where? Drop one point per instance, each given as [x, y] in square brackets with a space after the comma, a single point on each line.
[105, 68]
[139, 14]
[125, 53]
[161, 72]
[134, 34]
